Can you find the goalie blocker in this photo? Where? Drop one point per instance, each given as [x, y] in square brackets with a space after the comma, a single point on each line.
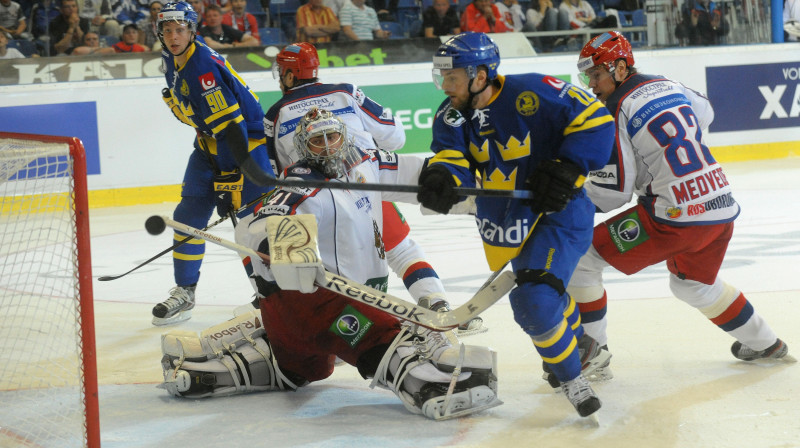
[429, 375]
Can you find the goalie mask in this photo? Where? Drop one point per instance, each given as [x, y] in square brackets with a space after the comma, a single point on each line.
[321, 138]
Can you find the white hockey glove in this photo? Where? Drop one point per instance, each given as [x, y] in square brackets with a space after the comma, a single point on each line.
[294, 259]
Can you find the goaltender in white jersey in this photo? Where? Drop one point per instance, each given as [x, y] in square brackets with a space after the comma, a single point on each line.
[300, 329]
[370, 125]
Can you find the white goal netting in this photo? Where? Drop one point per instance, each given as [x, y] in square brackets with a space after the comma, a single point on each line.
[46, 324]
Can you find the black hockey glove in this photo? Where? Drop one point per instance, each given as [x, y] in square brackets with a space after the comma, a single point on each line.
[554, 183]
[228, 192]
[436, 188]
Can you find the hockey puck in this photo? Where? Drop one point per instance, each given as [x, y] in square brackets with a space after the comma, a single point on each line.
[155, 225]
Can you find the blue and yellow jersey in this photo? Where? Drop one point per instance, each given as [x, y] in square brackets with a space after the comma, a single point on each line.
[211, 95]
[531, 118]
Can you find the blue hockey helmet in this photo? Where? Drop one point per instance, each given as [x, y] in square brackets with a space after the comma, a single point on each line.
[468, 50]
[179, 12]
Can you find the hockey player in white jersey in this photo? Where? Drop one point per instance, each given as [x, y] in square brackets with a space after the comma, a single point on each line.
[371, 126]
[296, 336]
[685, 207]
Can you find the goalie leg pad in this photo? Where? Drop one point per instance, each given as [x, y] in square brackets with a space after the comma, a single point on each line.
[245, 370]
[229, 358]
[436, 379]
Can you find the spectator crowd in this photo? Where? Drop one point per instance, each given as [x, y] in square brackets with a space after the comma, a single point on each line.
[79, 27]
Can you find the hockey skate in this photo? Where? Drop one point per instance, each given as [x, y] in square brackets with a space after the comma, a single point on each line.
[177, 308]
[436, 379]
[595, 363]
[778, 350]
[582, 396]
[473, 326]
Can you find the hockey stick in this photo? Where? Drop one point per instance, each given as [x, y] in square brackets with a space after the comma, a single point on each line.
[238, 145]
[107, 278]
[435, 320]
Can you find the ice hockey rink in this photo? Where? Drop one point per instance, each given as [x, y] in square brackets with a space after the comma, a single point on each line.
[676, 383]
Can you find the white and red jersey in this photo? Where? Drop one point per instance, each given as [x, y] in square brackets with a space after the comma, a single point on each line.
[368, 122]
[660, 155]
[349, 222]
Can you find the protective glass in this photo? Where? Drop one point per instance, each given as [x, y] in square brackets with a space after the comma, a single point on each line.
[593, 75]
[438, 78]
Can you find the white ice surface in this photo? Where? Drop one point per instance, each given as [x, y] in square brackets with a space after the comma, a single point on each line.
[676, 383]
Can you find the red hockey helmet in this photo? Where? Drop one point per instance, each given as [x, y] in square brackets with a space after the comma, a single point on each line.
[300, 58]
[605, 49]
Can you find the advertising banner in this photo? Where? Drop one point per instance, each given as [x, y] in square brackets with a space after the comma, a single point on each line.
[138, 65]
[760, 96]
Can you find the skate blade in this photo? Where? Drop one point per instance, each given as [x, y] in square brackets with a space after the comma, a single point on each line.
[595, 363]
[788, 358]
[468, 411]
[178, 318]
[594, 419]
[471, 332]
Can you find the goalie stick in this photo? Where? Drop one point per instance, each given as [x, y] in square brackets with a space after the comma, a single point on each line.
[409, 311]
[238, 145]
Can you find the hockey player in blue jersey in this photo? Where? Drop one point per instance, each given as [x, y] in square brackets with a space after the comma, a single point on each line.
[530, 132]
[206, 93]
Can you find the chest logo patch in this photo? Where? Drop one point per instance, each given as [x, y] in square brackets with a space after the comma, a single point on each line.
[527, 103]
[207, 81]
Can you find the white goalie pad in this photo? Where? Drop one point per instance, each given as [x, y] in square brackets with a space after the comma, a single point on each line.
[437, 379]
[230, 358]
[294, 259]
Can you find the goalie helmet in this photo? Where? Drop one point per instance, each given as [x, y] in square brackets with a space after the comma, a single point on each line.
[299, 58]
[178, 12]
[605, 49]
[322, 140]
[469, 51]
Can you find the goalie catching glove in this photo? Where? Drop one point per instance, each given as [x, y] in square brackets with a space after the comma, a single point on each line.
[554, 183]
[228, 192]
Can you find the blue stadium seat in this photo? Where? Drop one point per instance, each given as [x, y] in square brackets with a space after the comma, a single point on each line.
[271, 36]
[109, 40]
[261, 17]
[283, 7]
[639, 18]
[394, 28]
[254, 6]
[26, 47]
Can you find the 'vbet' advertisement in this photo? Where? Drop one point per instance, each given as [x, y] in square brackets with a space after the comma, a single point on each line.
[748, 97]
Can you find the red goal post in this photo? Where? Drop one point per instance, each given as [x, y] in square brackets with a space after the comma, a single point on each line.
[48, 366]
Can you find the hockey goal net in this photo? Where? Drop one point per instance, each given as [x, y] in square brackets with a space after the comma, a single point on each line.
[48, 369]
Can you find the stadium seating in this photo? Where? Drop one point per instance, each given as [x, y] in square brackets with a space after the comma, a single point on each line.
[272, 36]
[394, 28]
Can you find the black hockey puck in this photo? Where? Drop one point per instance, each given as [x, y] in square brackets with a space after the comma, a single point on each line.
[155, 225]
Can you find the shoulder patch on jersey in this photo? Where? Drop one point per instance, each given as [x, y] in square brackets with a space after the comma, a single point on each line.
[359, 96]
[452, 117]
[272, 209]
[527, 103]
[386, 156]
[207, 81]
[269, 128]
[558, 84]
[301, 170]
